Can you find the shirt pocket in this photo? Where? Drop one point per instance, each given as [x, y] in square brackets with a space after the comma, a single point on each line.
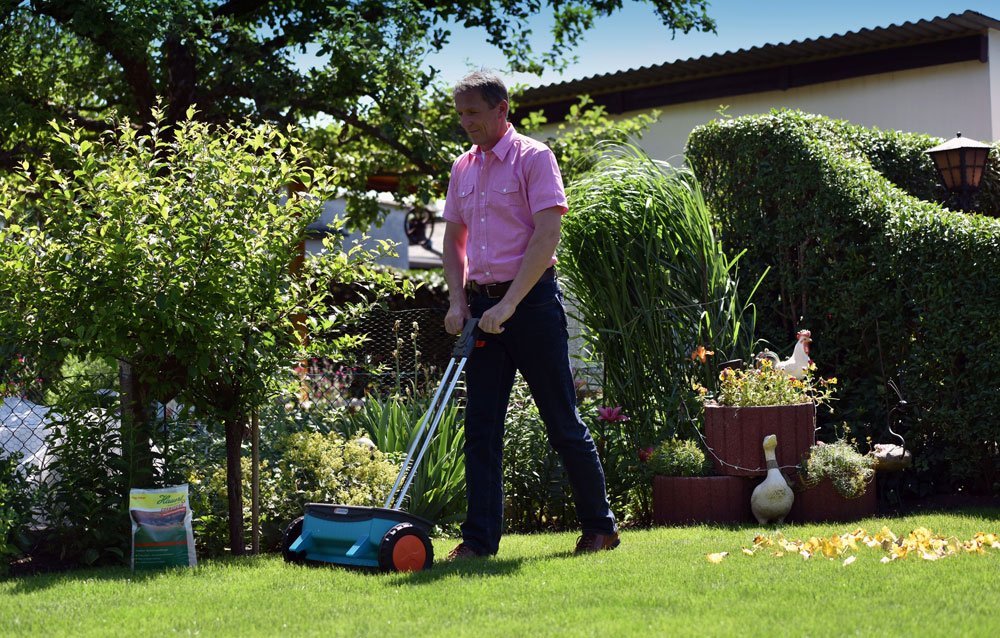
[506, 196]
[507, 188]
[465, 200]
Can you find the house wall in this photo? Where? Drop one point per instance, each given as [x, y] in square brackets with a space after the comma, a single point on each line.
[391, 229]
[939, 100]
[994, 79]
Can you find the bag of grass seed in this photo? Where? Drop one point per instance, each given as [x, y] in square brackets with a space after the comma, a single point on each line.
[161, 528]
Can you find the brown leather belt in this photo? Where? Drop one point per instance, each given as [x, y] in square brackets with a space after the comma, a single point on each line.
[499, 289]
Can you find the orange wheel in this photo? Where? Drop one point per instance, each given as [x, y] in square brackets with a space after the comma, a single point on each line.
[405, 548]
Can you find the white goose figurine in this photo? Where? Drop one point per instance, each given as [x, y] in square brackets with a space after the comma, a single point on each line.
[772, 499]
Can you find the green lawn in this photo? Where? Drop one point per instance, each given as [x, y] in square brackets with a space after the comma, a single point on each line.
[659, 582]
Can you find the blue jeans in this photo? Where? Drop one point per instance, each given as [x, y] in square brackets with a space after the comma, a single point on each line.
[534, 341]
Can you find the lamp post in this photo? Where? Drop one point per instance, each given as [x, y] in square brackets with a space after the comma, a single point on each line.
[960, 163]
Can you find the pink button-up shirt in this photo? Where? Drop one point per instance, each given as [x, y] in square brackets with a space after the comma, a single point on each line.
[495, 195]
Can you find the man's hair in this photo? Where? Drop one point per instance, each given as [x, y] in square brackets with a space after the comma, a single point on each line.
[488, 84]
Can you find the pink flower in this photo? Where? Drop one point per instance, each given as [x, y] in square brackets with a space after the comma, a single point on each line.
[645, 454]
[611, 415]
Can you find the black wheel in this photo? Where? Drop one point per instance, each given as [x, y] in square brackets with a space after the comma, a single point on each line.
[419, 225]
[292, 533]
[405, 548]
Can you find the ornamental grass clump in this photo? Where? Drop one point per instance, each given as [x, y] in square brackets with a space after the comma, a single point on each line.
[766, 385]
[848, 470]
[649, 280]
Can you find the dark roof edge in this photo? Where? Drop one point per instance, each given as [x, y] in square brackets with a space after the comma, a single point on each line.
[969, 48]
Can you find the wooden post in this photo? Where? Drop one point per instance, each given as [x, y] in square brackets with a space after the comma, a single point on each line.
[254, 483]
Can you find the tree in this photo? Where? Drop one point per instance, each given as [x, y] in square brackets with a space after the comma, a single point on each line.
[171, 253]
[91, 59]
[587, 135]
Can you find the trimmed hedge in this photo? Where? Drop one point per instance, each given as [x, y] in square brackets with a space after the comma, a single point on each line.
[893, 287]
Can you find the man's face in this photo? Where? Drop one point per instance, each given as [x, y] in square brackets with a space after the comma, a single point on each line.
[484, 125]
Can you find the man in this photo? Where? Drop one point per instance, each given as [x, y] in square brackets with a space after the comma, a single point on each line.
[503, 215]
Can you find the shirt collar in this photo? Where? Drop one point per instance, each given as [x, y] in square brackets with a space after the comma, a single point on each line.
[501, 147]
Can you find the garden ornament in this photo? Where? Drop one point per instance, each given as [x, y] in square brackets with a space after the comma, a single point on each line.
[797, 365]
[772, 499]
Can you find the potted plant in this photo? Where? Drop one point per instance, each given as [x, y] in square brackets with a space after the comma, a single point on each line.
[683, 491]
[835, 484]
[753, 403]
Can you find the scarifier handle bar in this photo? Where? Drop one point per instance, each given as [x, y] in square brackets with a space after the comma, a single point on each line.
[466, 342]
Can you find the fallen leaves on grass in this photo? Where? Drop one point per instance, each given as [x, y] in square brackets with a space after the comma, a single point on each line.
[921, 543]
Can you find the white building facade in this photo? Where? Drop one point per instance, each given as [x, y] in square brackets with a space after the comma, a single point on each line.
[935, 76]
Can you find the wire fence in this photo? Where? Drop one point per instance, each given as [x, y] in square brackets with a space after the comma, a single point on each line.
[23, 428]
[403, 350]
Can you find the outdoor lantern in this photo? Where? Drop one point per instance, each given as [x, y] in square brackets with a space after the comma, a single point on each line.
[960, 163]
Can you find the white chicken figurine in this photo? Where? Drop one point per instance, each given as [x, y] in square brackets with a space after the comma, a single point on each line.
[773, 498]
[796, 366]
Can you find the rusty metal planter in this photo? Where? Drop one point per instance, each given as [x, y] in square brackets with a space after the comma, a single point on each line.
[735, 435]
[678, 500]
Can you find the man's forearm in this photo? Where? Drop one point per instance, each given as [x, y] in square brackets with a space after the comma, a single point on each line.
[453, 262]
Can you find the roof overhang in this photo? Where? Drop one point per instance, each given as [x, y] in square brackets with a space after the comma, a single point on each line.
[775, 67]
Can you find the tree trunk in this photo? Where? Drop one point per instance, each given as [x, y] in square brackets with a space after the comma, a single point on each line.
[234, 483]
[136, 428]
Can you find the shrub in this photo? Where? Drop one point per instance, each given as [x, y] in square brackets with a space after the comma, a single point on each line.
[309, 467]
[327, 468]
[892, 287]
[16, 500]
[679, 457]
[848, 470]
[87, 486]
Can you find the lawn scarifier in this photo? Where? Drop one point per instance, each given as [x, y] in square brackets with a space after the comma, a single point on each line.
[384, 538]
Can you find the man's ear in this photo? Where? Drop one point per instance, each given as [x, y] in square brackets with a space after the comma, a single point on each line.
[504, 109]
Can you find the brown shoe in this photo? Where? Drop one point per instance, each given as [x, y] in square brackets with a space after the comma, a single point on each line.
[594, 542]
[462, 551]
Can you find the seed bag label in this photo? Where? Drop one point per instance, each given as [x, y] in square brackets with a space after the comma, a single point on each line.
[161, 528]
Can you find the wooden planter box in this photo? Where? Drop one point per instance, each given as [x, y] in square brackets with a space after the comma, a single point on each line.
[735, 436]
[679, 500]
[823, 502]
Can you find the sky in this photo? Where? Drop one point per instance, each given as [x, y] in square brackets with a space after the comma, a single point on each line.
[634, 37]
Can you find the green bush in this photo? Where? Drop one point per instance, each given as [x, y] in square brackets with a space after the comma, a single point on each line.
[85, 495]
[309, 467]
[892, 287]
[16, 500]
[328, 468]
[679, 457]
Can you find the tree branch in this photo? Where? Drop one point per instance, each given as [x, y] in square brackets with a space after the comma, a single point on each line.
[236, 8]
[370, 130]
[134, 63]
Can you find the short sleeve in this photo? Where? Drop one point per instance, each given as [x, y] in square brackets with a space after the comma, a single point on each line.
[451, 210]
[545, 186]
